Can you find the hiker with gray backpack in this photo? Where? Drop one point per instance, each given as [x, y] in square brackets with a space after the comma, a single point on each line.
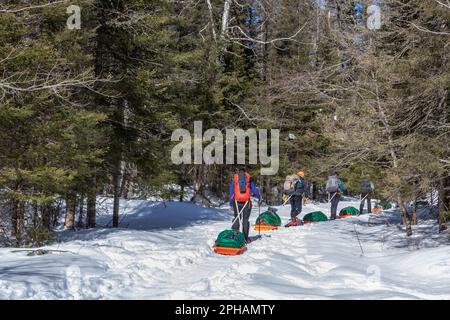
[335, 188]
[366, 189]
[294, 188]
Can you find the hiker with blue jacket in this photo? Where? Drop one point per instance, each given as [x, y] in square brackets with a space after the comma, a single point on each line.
[335, 187]
[241, 188]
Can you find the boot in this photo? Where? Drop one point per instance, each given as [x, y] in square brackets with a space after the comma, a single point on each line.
[293, 223]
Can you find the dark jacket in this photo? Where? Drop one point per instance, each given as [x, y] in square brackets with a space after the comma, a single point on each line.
[299, 187]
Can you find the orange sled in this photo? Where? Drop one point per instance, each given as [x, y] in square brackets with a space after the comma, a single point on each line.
[264, 227]
[345, 216]
[377, 210]
[229, 251]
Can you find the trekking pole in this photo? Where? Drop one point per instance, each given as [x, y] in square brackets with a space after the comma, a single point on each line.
[287, 200]
[359, 241]
[259, 217]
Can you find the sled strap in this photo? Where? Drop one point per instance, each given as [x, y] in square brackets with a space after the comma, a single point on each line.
[333, 197]
[239, 215]
[364, 197]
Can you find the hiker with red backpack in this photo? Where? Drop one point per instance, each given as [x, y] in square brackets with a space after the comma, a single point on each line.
[241, 188]
[294, 187]
[335, 187]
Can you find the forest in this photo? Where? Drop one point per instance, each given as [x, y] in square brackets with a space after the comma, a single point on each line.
[92, 90]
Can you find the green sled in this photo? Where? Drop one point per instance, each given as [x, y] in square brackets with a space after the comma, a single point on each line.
[269, 218]
[315, 216]
[230, 239]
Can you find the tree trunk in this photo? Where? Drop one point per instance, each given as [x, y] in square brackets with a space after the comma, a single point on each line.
[444, 203]
[124, 184]
[80, 223]
[91, 201]
[313, 58]
[225, 18]
[414, 210]
[211, 19]
[117, 181]
[391, 145]
[15, 218]
[70, 213]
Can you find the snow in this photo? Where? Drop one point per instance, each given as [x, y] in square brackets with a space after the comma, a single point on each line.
[163, 251]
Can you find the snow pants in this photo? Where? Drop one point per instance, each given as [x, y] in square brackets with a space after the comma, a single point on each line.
[245, 215]
[334, 205]
[296, 205]
[369, 204]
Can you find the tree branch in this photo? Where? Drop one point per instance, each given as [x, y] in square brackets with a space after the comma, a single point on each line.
[38, 6]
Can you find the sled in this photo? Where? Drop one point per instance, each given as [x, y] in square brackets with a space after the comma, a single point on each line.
[267, 221]
[264, 227]
[349, 212]
[316, 216]
[377, 210]
[229, 251]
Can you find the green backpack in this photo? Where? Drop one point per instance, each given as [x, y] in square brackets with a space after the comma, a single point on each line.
[315, 216]
[269, 218]
[230, 239]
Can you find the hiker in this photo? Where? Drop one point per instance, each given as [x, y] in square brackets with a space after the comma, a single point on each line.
[296, 191]
[241, 188]
[366, 189]
[335, 187]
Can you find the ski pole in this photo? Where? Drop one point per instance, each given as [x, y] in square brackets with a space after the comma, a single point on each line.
[287, 200]
[359, 241]
[259, 217]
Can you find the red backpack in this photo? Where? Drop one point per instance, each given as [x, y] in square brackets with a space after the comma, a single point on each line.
[242, 187]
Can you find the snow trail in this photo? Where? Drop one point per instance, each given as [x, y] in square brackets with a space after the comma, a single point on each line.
[165, 253]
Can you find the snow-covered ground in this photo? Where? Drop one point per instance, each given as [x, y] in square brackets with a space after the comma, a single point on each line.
[164, 251]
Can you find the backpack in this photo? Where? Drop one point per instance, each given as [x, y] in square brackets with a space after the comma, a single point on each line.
[367, 186]
[332, 184]
[289, 183]
[242, 181]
